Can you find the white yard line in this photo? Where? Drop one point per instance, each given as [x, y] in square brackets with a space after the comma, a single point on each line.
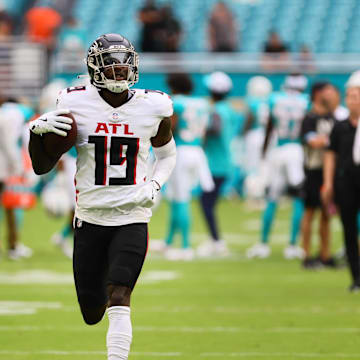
[280, 354]
[189, 329]
[84, 353]
[289, 355]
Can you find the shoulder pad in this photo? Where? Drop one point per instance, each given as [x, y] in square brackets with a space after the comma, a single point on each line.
[161, 102]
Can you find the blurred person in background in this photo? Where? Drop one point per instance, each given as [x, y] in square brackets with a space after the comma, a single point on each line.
[115, 128]
[6, 23]
[42, 24]
[16, 191]
[287, 111]
[222, 29]
[151, 18]
[342, 176]
[189, 122]
[72, 38]
[315, 133]
[219, 134]
[170, 30]
[63, 185]
[306, 60]
[258, 90]
[275, 53]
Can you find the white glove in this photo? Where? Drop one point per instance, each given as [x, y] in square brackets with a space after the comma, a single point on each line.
[147, 194]
[51, 122]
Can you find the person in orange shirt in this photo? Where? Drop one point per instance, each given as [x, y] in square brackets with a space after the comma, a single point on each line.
[42, 24]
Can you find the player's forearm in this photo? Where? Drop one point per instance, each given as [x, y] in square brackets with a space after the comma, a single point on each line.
[329, 168]
[41, 162]
[165, 162]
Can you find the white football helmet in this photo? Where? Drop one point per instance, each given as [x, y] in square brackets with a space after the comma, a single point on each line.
[259, 87]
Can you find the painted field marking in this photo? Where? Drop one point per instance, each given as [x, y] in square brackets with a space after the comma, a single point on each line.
[188, 329]
[177, 354]
[26, 307]
[85, 353]
[45, 277]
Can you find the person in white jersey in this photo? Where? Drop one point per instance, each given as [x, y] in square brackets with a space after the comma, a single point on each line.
[115, 128]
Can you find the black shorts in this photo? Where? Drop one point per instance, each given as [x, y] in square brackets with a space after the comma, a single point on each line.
[107, 255]
[312, 188]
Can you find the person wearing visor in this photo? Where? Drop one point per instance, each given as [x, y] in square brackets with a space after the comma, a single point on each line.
[115, 128]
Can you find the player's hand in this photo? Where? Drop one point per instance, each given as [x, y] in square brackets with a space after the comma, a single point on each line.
[147, 194]
[52, 122]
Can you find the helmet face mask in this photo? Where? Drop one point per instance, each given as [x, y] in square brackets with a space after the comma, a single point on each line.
[113, 63]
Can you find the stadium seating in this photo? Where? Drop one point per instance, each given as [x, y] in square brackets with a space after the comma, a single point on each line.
[326, 26]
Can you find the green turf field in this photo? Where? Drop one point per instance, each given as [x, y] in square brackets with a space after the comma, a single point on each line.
[220, 309]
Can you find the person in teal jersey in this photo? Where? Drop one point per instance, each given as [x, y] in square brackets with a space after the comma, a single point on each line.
[287, 110]
[188, 125]
[223, 125]
[258, 90]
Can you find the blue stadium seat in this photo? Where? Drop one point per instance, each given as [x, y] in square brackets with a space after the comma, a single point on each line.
[323, 25]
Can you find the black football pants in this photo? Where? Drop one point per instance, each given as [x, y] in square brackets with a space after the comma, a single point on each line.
[348, 201]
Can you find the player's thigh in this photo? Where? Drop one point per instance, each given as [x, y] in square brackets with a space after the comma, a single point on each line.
[294, 161]
[182, 178]
[127, 251]
[277, 179]
[90, 262]
[202, 170]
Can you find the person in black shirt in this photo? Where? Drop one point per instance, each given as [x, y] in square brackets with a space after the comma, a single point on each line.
[152, 22]
[315, 132]
[342, 180]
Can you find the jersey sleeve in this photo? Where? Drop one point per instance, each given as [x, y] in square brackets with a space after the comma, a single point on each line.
[61, 101]
[162, 103]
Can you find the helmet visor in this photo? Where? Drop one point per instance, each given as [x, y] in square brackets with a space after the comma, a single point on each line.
[114, 58]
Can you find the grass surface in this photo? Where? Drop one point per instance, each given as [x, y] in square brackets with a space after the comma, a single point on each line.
[205, 309]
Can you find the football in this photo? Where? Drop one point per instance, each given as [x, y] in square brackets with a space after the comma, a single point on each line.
[56, 145]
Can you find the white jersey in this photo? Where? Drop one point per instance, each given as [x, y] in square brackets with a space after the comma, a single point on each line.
[113, 148]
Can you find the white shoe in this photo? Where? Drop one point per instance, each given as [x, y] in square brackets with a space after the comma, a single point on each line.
[63, 244]
[187, 254]
[24, 251]
[14, 254]
[260, 251]
[172, 254]
[157, 246]
[293, 252]
[220, 248]
[206, 249]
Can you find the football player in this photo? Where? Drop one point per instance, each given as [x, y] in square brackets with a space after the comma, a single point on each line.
[115, 128]
[258, 90]
[189, 123]
[223, 125]
[287, 110]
